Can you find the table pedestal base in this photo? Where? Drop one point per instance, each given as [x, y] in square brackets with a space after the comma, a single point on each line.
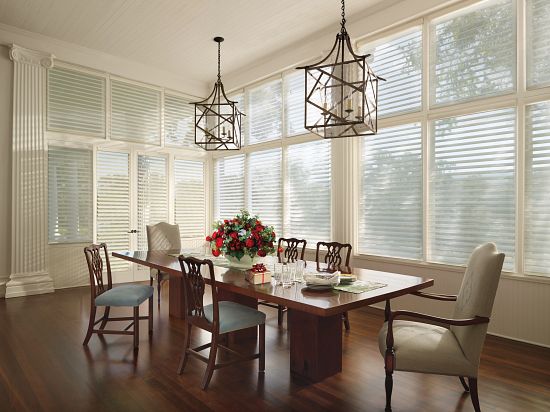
[315, 345]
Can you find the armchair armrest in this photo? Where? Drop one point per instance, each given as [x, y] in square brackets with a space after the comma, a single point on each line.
[435, 296]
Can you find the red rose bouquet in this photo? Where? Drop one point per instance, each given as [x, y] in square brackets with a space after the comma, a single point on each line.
[242, 235]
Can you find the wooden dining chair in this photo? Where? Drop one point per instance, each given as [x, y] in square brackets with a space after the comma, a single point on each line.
[288, 250]
[218, 318]
[421, 346]
[336, 257]
[107, 296]
[162, 236]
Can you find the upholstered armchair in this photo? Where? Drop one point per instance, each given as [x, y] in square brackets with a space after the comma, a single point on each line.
[162, 236]
[421, 346]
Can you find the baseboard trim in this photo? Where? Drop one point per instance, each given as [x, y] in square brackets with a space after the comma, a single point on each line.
[27, 284]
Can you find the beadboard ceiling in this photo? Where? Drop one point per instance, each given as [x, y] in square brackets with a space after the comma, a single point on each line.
[176, 35]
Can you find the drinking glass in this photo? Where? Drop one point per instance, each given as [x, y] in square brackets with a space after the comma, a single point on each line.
[292, 270]
[300, 266]
[286, 279]
[277, 272]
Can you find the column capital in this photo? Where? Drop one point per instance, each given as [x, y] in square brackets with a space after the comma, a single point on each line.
[33, 57]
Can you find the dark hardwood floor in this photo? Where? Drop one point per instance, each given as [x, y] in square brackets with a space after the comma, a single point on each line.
[44, 367]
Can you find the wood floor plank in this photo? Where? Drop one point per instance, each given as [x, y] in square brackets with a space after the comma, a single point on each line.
[44, 367]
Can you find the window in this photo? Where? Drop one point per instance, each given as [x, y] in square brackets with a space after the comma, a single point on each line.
[294, 103]
[309, 186]
[229, 186]
[537, 189]
[472, 185]
[265, 112]
[265, 190]
[152, 195]
[189, 198]
[538, 49]
[179, 122]
[390, 210]
[113, 202]
[135, 113]
[474, 52]
[399, 61]
[76, 102]
[70, 198]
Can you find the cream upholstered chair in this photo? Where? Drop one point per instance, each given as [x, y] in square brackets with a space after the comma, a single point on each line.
[427, 348]
[162, 236]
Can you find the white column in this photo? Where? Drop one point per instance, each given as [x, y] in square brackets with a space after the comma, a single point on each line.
[29, 274]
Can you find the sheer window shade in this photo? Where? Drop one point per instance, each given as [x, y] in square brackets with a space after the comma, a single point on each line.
[538, 47]
[70, 198]
[309, 187]
[265, 189]
[189, 198]
[390, 209]
[179, 122]
[229, 186]
[135, 113]
[537, 189]
[152, 195]
[474, 52]
[472, 185]
[399, 61]
[76, 102]
[113, 202]
[294, 103]
[265, 112]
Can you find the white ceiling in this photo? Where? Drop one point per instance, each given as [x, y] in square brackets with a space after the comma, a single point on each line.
[176, 35]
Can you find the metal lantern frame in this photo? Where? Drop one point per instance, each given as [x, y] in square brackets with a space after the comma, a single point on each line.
[341, 92]
[218, 121]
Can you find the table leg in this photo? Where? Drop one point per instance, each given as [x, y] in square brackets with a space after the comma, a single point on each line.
[176, 303]
[250, 333]
[315, 345]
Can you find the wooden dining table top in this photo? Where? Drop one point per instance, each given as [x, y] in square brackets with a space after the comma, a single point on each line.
[298, 296]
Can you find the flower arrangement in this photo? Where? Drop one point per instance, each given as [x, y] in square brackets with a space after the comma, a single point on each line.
[241, 236]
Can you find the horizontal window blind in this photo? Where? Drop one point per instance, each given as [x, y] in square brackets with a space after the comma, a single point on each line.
[189, 197]
[294, 103]
[152, 195]
[390, 208]
[399, 61]
[113, 203]
[179, 122]
[474, 52]
[309, 188]
[265, 112]
[229, 186]
[135, 113]
[265, 188]
[537, 189]
[538, 47]
[472, 185]
[76, 102]
[239, 98]
[70, 200]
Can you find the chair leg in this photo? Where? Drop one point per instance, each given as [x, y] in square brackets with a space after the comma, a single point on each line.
[346, 321]
[464, 384]
[211, 363]
[151, 315]
[262, 347]
[158, 287]
[472, 383]
[389, 389]
[151, 280]
[90, 325]
[136, 327]
[184, 355]
[105, 317]
[280, 314]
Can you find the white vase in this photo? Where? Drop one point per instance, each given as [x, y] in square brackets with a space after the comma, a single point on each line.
[245, 262]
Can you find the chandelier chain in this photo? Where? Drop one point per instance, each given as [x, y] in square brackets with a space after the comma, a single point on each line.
[343, 16]
[219, 59]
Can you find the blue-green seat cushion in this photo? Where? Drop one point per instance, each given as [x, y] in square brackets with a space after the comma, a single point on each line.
[234, 316]
[125, 295]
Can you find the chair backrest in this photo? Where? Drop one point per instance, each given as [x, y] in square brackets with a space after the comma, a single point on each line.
[293, 249]
[334, 256]
[95, 268]
[193, 287]
[476, 298]
[163, 236]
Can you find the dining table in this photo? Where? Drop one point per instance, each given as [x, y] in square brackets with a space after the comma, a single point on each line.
[314, 320]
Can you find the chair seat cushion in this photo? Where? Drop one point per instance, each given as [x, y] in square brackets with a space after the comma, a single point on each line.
[234, 316]
[125, 295]
[420, 347]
